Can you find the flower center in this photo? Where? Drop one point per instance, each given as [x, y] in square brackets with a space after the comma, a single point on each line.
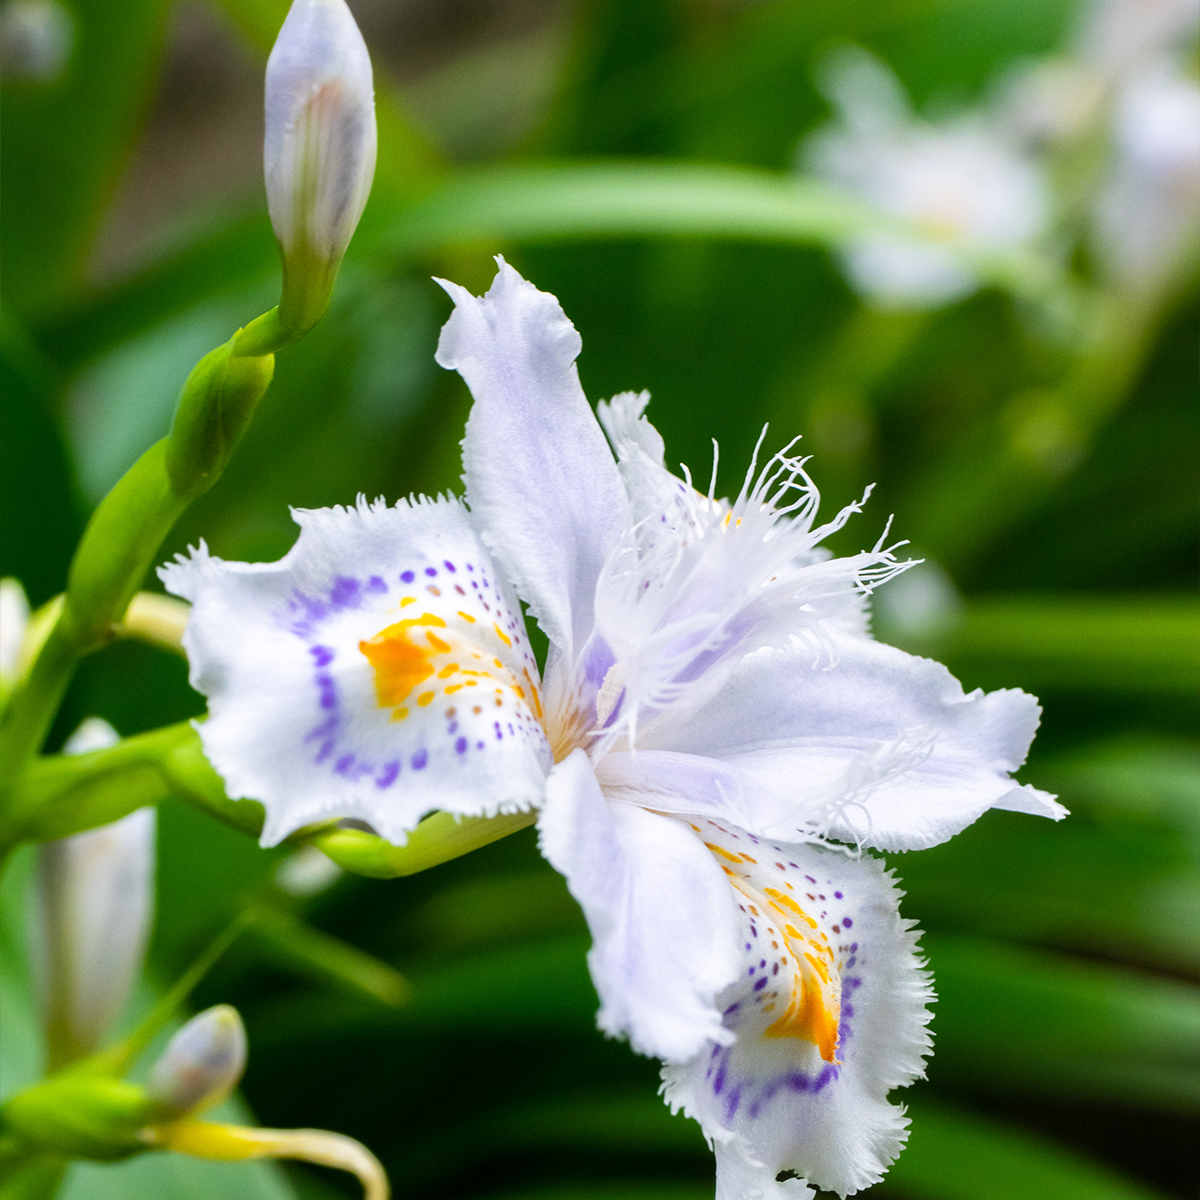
[413, 651]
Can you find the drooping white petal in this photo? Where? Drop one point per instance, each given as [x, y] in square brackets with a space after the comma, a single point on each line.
[829, 1015]
[741, 1176]
[540, 478]
[663, 922]
[880, 748]
[320, 141]
[378, 671]
[94, 905]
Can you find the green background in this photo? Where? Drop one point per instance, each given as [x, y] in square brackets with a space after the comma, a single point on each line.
[630, 158]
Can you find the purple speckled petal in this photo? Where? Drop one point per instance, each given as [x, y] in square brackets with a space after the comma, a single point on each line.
[828, 1015]
[357, 677]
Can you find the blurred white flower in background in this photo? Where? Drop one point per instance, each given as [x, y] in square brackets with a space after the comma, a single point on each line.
[1146, 214]
[966, 184]
[94, 901]
[1121, 112]
[36, 37]
[14, 618]
[1118, 38]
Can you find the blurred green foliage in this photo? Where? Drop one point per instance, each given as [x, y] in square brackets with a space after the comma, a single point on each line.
[650, 196]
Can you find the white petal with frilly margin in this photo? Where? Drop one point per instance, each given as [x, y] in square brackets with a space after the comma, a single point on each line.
[878, 747]
[829, 1015]
[664, 926]
[379, 670]
[541, 480]
[697, 583]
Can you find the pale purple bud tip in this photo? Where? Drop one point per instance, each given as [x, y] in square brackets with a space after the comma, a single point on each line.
[319, 150]
[202, 1062]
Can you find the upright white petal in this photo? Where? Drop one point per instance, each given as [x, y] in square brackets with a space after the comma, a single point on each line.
[94, 904]
[378, 671]
[540, 478]
[877, 747]
[320, 142]
[662, 917]
[828, 1016]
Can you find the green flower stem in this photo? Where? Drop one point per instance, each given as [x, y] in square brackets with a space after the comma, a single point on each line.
[308, 280]
[320, 955]
[436, 840]
[119, 1058]
[29, 1175]
[128, 527]
[60, 795]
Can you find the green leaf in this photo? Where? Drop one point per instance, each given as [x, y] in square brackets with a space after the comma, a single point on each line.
[327, 958]
[1137, 645]
[175, 1177]
[557, 201]
[65, 143]
[953, 1155]
[1156, 781]
[1015, 1020]
[1118, 888]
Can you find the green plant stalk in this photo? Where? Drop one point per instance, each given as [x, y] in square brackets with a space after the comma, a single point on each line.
[322, 956]
[125, 532]
[435, 840]
[28, 1175]
[119, 1058]
[60, 795]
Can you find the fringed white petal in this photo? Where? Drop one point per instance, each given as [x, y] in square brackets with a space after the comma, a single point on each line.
[663, 921]
[698, 583]
[540, 478]
[829, 1015]
[378, 671]
[872, 746]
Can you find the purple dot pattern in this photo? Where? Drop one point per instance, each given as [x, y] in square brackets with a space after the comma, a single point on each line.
[481, 698]
[752, 1076]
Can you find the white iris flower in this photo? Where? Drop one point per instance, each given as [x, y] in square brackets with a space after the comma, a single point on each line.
[715, 738]
[964, 185]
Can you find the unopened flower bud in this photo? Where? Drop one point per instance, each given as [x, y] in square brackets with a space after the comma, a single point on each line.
[79, 1114]
[95, 897]
[14, 617]
[319, 150]
[202, 1062]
